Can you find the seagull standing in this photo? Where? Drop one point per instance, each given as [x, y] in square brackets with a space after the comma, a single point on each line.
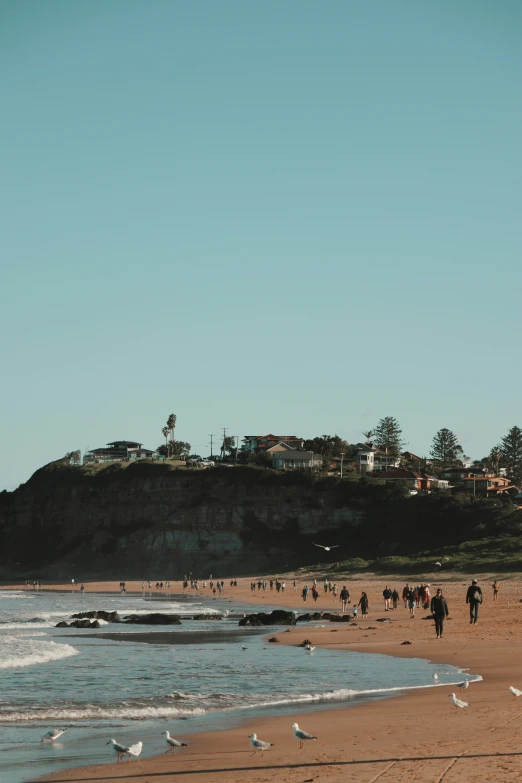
[174, 743]
[243, 647]
[53, 735]
[435, 677]
[301, 735]
[258, 744]
[309, 648]
[457, 702]
[515, 691]
[464, 684]
[120, 750]
[135, 750]
[327, 548]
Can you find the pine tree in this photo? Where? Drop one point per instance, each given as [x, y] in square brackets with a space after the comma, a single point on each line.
[388, 436]
[445, 448]
[511, 446]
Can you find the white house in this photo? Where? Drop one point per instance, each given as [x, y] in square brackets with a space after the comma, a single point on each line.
[370, 459]
[289, 459]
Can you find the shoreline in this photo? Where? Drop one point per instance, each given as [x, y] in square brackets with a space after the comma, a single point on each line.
[420, 730]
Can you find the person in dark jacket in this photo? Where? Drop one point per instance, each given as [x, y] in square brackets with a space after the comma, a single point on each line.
[439, 610]
[345, 597]
[474, 599]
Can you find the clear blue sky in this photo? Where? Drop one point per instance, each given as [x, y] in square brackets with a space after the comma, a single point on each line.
[289, 216]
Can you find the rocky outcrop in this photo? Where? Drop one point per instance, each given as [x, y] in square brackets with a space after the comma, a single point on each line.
[143, 519]
[98, 614]
[79, 624]
[277, 617]
[155, 618]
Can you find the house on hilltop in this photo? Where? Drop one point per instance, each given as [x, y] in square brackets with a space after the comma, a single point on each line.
[369, 459]
[258, 443]
[289, 459]
[119, 451]
[418, 481]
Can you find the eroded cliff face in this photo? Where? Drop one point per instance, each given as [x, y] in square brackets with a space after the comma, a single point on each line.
[148, 519]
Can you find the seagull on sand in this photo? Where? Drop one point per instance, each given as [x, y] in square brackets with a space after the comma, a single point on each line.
[53, 735]
[135, 750]
[327, 548]
[515, 691]
[301, 735]
[122, 750]
[258, 744]
[464, 684]
[457, 702]
[174, 743]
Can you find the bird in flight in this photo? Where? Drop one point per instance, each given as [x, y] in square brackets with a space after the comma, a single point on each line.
[438, 564]
[53, 735]
[327, 548]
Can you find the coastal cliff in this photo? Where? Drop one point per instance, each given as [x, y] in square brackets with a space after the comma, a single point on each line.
[148, 518]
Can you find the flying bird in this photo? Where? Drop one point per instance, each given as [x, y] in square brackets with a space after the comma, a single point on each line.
[301, 735]
[438, 564]
[515, 691]
[327, 548]
[120, 750]
[465, 684]
[258, 744]
[243, 647]
[457, 702]
[53, 735]
[174, 743]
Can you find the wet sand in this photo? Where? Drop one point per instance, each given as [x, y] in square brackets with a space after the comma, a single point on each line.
[416, 738]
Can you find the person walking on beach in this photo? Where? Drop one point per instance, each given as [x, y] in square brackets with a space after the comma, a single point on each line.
[411, 601]
[496, 588]
[474, 599]
[439, 610]
[387, 594]
[345, 597]
[405, 593]
[395, 598]
[363, 603]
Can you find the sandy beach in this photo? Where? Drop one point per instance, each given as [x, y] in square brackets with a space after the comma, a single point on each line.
[418, 737]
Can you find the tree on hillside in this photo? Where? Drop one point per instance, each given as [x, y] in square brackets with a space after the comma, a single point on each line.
[74, 457]
[171, 424]
[327, 445]
[228, 446]
[445, 448]
[511, 446]
[165, 432]
[368, 435]
[388, 436]
[495, 456]
[179, 449]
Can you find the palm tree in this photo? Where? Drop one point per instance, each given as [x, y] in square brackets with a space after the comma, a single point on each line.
[368, 435]
[171, 424]
[165, 432]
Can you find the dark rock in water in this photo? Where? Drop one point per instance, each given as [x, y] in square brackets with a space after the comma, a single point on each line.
[339, 618]
[305, 618]
[277, 617]
[84, 624]
[273, 639]
[63, 624]
[207, 617]
[98, 614]
[152, 619]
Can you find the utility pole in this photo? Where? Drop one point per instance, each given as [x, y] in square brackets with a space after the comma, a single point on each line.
[211, 443]
[223, 447]
[237, 445]
[342, 458]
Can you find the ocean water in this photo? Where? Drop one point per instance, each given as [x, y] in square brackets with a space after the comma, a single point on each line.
[143, 680]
